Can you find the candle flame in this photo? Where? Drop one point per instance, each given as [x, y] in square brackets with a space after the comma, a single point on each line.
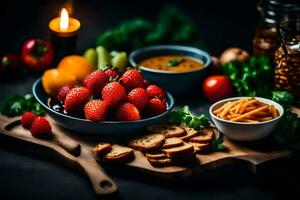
[64, 20]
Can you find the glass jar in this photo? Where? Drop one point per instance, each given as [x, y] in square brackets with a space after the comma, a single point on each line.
[287, 58]
[272, 12]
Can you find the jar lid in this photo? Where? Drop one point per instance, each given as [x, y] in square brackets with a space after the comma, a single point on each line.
[275, 11]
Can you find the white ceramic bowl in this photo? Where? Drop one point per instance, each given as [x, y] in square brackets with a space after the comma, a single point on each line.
[242, 131]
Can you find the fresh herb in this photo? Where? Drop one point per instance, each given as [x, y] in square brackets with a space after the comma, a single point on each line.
[287, 131]
[171, 27]
[218, 144]
[256, 78]
[174, 62]
[282, 97]
[184, 117]
[15, 105]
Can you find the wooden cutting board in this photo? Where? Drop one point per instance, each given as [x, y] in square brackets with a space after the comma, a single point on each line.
[77, 152]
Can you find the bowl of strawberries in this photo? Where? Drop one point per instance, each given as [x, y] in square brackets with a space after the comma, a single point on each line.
[107, 102]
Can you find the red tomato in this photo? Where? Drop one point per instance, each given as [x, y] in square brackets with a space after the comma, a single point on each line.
[37, 54]
[217, 87]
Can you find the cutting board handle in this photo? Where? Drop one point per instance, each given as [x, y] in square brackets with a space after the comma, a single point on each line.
[101, 183]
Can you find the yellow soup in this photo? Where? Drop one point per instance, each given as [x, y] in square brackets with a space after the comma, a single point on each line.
[175, 63]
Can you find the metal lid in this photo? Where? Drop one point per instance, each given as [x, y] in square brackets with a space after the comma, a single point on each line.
[276, 11]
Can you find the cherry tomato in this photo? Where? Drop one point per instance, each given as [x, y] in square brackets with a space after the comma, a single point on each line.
[217, 87]
[37, 54]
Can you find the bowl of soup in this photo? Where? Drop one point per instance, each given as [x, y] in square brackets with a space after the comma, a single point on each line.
[178, 69]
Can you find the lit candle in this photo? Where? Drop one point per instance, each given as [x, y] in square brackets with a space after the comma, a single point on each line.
[64, 30]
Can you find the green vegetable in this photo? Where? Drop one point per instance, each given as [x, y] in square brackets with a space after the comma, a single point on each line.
[104, 58]
[282, 97]
[174, 63]
[171, 27]
[218, 144]
[91, 55]
[127, 36]
[287, 131]
[15, 105]
[119, 61]
[185, 117]
[256, 78]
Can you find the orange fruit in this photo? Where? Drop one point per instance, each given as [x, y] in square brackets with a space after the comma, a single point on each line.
[76, 65]
[53, 80]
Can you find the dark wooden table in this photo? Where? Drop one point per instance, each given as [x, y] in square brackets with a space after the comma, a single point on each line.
[223, 24]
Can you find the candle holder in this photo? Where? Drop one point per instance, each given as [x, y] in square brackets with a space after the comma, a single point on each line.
[64, 38]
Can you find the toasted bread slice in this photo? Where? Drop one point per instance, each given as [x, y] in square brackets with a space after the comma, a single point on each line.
[156, 155]
[102, 149]
[148, 142]
[205, 136]
[169, 130]
[172, 142]
[185, 149]
[163, 162]
[190, 133]
[200, 147]
[119, 154]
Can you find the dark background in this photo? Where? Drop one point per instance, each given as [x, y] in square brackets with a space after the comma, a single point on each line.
[221, 23]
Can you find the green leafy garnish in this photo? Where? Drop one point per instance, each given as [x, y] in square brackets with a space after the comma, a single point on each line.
[218, 144]
[174, 62]
[287, 131]
[184, 117]
[282, 97]
[171, 27]
[256, 78]
[15, 105]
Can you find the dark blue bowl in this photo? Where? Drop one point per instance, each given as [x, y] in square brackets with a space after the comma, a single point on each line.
[175, 82]
[103, 128]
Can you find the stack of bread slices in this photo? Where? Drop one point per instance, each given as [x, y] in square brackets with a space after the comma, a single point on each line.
[165, 145]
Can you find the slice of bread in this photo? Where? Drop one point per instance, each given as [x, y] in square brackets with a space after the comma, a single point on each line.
[163, 162]
[200, 147]
[102, 149]
[169, 130]
[156, 155]
[185, 149]
[205, 136]
[119, 154]
[172, 142]
[190, 133]
[148, 142]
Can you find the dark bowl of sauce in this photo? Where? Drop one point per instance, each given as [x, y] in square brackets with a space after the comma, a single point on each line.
[178, 69]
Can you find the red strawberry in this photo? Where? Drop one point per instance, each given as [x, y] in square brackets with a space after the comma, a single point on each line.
[76, 99]
[27, 119]
[155, 107]
[95, 81]
[138, 97]
[95, 110]
[111, 73]
[133, 79]
[113, 93]
[156, 92]
[40, 127]
[62, 93]
[127, 112]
